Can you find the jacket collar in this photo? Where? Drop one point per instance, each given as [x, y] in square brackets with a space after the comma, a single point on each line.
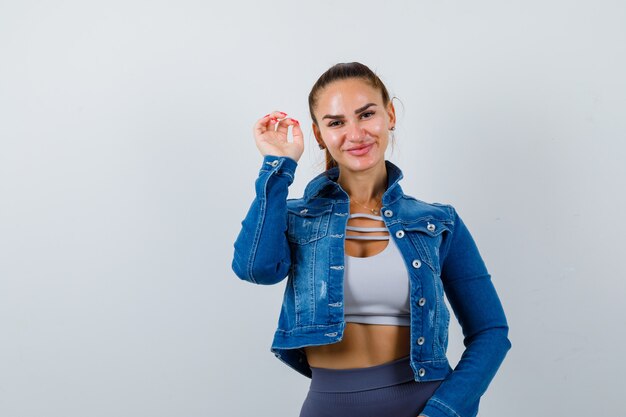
[325, 185]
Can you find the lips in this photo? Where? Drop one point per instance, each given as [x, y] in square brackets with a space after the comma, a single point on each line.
[361, 150]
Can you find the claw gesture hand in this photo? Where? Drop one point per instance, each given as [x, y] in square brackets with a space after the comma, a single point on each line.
[270, 135]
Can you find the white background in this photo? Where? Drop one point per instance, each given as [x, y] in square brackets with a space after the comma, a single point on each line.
[127, 163]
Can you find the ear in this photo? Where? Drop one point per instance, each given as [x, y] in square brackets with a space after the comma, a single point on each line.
[391, 111]
[318, 135]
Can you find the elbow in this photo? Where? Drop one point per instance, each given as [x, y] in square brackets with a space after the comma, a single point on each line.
[494, 339]
[500, 342]
[507, 342]
[263, 274]
[491, 345]
[501, 337]
[273, 274]
[239, 270]
[263, 264]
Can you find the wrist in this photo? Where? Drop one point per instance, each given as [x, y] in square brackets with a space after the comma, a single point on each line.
[280, 164]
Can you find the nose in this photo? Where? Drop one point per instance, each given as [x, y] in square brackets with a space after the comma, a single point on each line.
[355, 132]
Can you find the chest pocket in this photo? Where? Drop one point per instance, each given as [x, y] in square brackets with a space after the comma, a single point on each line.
[307, 225]
[427, 235]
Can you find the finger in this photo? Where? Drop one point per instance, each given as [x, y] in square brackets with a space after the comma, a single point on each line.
[275, 114]
[264, 124]
[283, 126]
[278, 114]
[260, 127]
[298, 137]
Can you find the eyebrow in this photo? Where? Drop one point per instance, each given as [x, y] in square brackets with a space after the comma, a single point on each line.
[357, 111]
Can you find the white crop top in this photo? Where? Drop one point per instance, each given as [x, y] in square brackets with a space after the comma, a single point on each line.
[376, 288]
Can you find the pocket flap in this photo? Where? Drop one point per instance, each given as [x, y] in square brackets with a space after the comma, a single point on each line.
[312, 211]
[429, 226]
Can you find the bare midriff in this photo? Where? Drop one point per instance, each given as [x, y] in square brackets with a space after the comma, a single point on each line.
[363, 345]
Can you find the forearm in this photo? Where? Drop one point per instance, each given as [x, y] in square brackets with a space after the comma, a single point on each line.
[459, 395]
[262, 253]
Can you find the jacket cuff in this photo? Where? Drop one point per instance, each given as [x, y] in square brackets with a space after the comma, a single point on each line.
[436, 408]
[279, 164]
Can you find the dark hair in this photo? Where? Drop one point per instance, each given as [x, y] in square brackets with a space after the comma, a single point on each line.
[344, 71]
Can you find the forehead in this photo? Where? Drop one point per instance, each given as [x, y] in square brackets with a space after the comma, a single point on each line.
[351, 91]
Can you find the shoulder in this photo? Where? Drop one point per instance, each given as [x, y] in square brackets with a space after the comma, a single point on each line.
[414, 208]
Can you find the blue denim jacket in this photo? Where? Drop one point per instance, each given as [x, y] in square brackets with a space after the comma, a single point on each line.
[303, 239]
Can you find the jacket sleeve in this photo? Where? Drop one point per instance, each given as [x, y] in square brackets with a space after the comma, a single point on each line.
[478, 309]
[262, 253]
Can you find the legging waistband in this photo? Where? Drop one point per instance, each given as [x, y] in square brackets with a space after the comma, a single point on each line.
[359, 379]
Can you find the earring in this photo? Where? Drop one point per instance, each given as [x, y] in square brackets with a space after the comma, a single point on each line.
[392, 128]
[321, 146]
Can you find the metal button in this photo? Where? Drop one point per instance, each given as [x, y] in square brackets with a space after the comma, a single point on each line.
[420, 340]
[388, 213]
[421, 302]
[274, 162]
[417, 263]
[421, 372]
[400, 234]
[431, 227]
[303, 211]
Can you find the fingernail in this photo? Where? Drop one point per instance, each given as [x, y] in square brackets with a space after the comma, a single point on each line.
[295, 121]
[283, 113]
[266, 115]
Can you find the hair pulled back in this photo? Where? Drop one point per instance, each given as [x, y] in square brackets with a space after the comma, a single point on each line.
[342, 71]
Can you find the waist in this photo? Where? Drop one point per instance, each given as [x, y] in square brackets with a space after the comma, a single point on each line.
[359, 379]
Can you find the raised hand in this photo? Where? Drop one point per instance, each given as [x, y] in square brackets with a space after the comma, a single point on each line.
[270, 135]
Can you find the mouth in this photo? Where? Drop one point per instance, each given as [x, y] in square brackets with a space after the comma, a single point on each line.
[360, 150]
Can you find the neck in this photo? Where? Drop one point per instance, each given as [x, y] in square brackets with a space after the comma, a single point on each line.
[367, 187]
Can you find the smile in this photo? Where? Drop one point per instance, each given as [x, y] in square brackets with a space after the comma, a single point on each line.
[360, 151]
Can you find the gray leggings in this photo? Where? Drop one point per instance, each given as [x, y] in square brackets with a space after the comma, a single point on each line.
[382, 390]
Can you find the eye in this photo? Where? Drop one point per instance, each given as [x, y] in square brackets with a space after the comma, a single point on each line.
[368, 112]
[332, 124]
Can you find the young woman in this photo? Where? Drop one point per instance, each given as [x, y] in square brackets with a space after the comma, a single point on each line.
[367, 266]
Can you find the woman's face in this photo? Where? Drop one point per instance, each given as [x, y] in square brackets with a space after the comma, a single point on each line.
[353, 123]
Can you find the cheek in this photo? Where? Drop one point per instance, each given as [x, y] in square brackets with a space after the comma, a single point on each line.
[331, 137]
[377, 126]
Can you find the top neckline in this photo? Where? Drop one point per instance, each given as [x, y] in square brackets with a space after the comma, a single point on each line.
[389, 243]
[366, 216]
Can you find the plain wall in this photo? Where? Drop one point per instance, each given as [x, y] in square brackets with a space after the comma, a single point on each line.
[127, 163]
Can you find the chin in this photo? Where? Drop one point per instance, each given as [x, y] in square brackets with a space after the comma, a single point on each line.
[359, 165]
